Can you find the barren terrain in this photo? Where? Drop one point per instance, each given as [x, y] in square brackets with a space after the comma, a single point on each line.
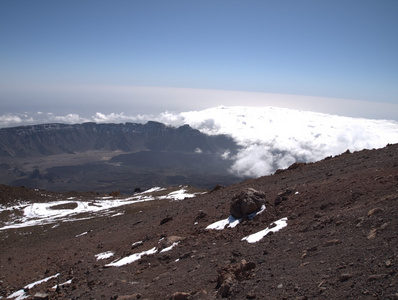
[340, 241]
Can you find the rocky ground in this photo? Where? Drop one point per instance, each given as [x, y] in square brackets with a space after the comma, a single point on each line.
[340, 241]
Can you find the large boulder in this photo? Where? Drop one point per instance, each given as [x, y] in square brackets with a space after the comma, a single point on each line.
[246, 202]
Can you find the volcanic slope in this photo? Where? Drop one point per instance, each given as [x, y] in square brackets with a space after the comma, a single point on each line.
[340, 241]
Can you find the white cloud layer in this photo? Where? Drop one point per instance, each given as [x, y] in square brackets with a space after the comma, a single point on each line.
[274, 138]
[271, 137]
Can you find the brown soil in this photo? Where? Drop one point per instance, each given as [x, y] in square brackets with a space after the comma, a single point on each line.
[340, 242]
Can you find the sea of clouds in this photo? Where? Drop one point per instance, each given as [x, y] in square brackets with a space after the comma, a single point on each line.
[271, 138]
[274, 138]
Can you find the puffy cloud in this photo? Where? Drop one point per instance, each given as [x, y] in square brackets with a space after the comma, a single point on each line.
[10, 120]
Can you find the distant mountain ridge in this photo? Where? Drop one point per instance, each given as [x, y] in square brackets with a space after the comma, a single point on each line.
[106, 157]
[55, 138]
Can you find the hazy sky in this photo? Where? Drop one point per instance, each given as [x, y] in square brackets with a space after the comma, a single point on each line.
[105, 56]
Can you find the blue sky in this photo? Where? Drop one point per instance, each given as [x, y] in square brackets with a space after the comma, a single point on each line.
[84, 55]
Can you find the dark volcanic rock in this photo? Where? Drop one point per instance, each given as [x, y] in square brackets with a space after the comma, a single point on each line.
[165, 220]
[246, 202]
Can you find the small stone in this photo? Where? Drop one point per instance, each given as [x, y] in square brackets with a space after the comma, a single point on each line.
[280, 286]
[114, 194]
[179, 296]
[372, 234]
[332, 243]
[317, 216]
[165, 220]
[251, 295]
[224, 289]
[314, 248]
[129, 297]
[40, 296]
[339, 222]
[374, 211]
[359, 222]
[201, 215]
[376, 276]
[388, 263]
[345, 277]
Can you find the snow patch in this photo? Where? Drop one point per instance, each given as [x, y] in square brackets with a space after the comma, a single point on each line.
[220, 225]
[178, 195]
[231, 221]
[137, 243]
[255, 237]
[20, 294]
[81, 234]
[104, 255]
[169, 248]
[33, 214]
[63, 284]
[154, 189]
[132, 258]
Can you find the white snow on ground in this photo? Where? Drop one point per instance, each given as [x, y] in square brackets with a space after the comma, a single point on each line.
[136, 256]
[32, 214]
[169, 248]
[154, 189]
[20, 294]
[231, 221]
[117, 214]
[81, 234]
[255, 237]
[132, 258]
[178, 195]
[64, 283]
[220, 225]
[104, 255]
[19, 205]
[137, 243]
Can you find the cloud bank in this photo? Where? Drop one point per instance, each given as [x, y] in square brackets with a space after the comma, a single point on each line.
[271, 138]
[274, 138]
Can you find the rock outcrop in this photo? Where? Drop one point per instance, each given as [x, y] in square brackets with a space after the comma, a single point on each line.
[246, 202]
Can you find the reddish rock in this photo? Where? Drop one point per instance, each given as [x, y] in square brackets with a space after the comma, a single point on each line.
[246, 202]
